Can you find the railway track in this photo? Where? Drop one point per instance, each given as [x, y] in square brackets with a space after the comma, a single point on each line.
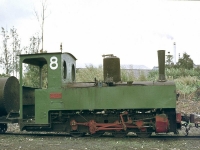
[193, 133]
[106, 135]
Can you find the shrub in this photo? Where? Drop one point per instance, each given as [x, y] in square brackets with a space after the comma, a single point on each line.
[88, 74]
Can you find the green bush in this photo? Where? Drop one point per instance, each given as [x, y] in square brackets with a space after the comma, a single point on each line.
[89, 73]
[127, 74]
[187, 86]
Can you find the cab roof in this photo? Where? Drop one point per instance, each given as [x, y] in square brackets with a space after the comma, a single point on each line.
[38, 58]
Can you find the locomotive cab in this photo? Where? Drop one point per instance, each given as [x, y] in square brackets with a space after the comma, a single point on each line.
[51, 71]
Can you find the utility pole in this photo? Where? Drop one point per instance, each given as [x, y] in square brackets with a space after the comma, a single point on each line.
[174, 52]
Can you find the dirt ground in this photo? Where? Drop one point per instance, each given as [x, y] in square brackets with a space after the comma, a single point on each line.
[188, 106]
[29, 142]
[65, 142]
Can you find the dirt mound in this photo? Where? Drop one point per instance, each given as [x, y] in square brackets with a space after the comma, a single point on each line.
[188, 106]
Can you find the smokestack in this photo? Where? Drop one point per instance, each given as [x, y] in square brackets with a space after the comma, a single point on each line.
[174, 53]
[161, 65]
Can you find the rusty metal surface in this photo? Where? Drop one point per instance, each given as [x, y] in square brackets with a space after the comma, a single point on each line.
[9, 95]
[161, 64]
[111, 68]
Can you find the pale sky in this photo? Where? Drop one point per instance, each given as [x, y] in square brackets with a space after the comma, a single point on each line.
[132, 30]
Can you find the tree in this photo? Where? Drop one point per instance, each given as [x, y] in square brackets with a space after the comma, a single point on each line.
[34, 44]
[11, 49]
[5, 58]
[41, 18]
[15, 50]
[169, 63]
[185, 62]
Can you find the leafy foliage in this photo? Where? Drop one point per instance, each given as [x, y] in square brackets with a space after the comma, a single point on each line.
[31, 76]
[127, 74]
[153, 75]
[15, 50]
[187, 85]
[10, 50]
[88, 74]
[142, 76]
[6, 56]
[185, 62]
[177, 73]
[169, 63]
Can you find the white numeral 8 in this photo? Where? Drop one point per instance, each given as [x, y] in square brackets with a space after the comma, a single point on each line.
[53, 63]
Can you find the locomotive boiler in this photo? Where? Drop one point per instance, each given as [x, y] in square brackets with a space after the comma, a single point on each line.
[91, 107]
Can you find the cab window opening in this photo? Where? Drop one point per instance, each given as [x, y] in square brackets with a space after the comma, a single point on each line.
[64, 70]
[35, 73]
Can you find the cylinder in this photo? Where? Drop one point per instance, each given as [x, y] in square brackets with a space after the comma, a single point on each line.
[161, 65]
[192, 118]
[111, 68]
[9, 95]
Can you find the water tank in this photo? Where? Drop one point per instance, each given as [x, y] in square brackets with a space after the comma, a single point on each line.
[111, 68]
[9, 95]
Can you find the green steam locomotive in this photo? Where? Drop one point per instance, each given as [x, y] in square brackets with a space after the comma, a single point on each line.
[93, 108]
